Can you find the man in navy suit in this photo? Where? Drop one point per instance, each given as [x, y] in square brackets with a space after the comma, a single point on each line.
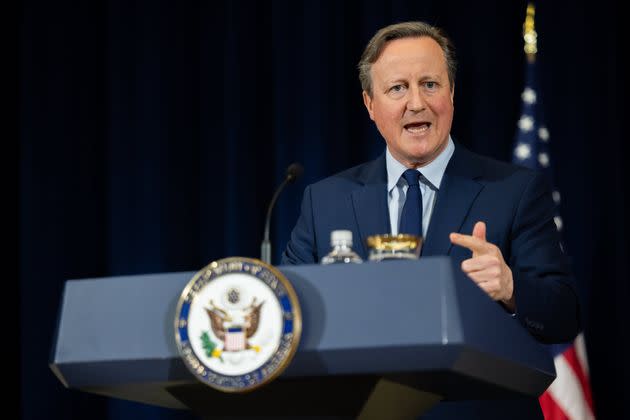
[494, 218]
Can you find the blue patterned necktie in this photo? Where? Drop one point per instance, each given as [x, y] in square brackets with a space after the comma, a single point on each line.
[411, 216]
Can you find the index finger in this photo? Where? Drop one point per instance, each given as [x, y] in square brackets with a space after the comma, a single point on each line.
[476, 245]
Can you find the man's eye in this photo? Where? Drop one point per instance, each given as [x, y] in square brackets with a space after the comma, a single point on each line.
[397, 88]
[430, 85]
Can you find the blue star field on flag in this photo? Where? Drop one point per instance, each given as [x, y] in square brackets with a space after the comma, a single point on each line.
[531, 145]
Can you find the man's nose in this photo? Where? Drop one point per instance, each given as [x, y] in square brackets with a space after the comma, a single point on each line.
[416, 101]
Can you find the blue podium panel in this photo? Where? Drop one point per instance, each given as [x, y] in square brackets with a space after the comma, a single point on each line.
[422, 320]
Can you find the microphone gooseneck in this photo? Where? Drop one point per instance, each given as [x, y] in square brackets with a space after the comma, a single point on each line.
[294, 171]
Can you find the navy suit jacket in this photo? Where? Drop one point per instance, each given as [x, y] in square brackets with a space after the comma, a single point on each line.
[514, 202]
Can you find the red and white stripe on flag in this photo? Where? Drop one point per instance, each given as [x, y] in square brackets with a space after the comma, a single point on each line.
[569, 396]
[235, 340]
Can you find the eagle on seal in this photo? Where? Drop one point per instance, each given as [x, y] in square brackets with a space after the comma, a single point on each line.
[224, 325]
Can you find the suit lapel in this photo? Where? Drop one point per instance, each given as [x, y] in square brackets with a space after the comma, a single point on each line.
[370, 202]
[454, 200]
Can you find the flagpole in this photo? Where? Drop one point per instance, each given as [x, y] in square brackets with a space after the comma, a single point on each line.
[529, 34]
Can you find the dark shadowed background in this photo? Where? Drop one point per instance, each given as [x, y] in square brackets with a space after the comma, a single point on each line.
[153, 133]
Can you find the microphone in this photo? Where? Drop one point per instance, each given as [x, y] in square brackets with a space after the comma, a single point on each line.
[294, 171]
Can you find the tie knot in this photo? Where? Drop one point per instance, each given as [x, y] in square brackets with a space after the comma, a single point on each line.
[411, 176]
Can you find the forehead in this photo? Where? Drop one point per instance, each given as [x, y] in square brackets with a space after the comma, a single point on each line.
[418, 54]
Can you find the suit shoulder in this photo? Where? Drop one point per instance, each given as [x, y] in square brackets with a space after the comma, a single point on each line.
[493, 169]
[355, 176]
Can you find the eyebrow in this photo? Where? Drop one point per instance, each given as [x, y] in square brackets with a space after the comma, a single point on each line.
[404, 80]
[395, 81]
[431, 76]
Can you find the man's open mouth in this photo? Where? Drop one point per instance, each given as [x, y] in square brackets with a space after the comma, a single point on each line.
[417, 127]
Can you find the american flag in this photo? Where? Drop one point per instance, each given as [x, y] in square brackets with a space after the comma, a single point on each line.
[569, 396]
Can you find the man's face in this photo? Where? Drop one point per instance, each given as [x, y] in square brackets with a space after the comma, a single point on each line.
[412, 100]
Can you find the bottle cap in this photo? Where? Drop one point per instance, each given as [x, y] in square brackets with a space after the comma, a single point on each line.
[338, 237]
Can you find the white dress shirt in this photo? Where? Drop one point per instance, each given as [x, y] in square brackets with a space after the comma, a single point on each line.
[430, 180]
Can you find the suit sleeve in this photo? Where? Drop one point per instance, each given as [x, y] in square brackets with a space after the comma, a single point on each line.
[546, 300]
[302, 246]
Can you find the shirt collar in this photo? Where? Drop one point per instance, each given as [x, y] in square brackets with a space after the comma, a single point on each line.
[433, 171]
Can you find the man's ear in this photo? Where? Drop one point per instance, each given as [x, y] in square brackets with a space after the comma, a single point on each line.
[367, 101]
[453, 95]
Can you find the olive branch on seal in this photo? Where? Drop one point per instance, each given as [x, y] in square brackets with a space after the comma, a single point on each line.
[210, 346]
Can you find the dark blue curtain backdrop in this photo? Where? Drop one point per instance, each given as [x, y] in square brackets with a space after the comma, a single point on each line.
[153, 133]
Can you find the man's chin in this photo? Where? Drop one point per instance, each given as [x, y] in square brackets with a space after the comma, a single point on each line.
[422, 157]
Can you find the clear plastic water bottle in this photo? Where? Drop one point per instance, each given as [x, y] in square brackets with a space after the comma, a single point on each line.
[342, 253]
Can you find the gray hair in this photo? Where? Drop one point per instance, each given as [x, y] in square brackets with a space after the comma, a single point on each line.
[375, 47]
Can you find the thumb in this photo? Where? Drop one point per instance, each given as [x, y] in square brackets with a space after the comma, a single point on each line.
[479, 231]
